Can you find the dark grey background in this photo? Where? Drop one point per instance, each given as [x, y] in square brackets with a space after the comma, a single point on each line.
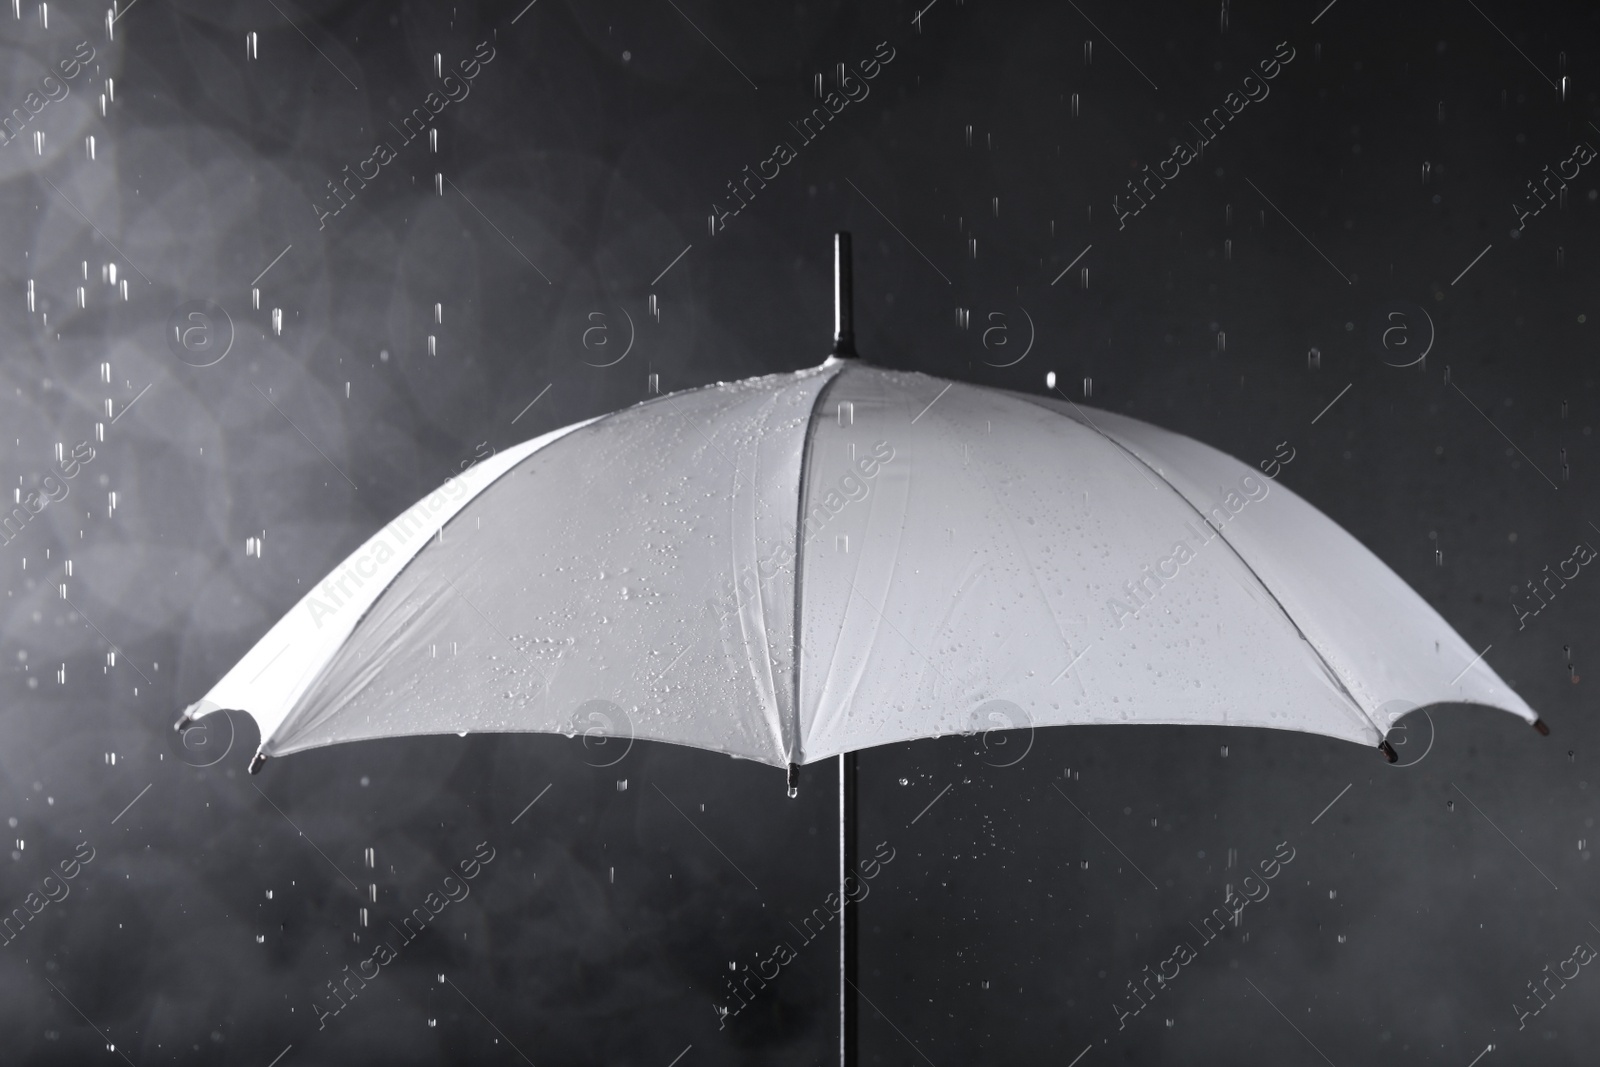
[588, 155]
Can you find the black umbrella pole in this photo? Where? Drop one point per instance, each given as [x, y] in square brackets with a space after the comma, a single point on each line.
[847, 911]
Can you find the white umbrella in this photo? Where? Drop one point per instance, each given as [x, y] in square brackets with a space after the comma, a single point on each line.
[791, 567]
[794, 567]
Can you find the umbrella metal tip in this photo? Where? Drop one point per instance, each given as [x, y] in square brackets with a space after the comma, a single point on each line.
[183, 722]
[844, 332]
[257, 761]
[1544, 731]
[794, 780]
[1388, 752]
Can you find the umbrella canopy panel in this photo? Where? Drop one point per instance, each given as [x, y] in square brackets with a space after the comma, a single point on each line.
[605, 584]
[790, 567]
[1385, 643]
[1006, 553]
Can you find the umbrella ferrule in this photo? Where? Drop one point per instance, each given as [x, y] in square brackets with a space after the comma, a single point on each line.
[256, 761]
[844, 330]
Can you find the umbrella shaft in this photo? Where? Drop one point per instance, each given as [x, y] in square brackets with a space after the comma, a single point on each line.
[848, 927]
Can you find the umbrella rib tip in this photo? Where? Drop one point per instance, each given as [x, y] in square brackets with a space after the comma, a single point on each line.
[1538, 724]
[1388, 752]
[256, 761]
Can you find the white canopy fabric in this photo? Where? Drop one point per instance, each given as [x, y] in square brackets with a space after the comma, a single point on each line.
[789, 567]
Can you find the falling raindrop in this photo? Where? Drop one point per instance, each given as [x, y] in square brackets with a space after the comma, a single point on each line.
[1088, 53]
[1450, 805]
[277, 322]
[438, 182]
[1074, 114]
[250, 42]
[1224, 751]
[88, 146]
[1049, 383]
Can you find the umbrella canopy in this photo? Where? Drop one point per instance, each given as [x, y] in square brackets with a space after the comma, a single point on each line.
[790, 567]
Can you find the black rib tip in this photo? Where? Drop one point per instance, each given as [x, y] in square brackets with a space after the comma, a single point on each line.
[1544, 731]
[794, 780]
[257, 761]
[1388, 751]
[183, 721]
